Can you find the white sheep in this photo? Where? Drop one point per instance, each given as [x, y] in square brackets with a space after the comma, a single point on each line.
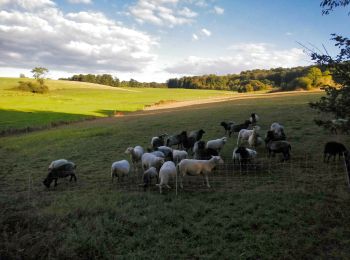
[179, 155]
[216, 144]
[135, 155]
[254, 139]
[244, 134]
[148, 175]
[197, 167]
[57, 163]
[167, 171]
[119, 169]
[149, 160]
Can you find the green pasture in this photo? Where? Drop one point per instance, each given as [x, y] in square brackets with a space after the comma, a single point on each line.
[300, 210]
[72, 101]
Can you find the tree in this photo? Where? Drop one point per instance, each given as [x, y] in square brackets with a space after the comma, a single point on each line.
[315, 75]
[39, 72]
[337, 99]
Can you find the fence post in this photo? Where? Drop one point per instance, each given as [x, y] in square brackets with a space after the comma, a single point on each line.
[347, 168]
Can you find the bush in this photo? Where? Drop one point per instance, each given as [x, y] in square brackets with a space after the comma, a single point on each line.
[301, 82]
[32, 87]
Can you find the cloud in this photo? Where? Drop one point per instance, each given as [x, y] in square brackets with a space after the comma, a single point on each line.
[195, 37]
[218, 10]
[205, 32]
[241, 57]
[36, 33]
[161, 13]
[80, 1]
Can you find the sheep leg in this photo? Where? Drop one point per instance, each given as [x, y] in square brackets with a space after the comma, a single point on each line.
[207, 179]
[55, 182]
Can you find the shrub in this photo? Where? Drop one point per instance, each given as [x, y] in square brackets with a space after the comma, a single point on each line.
[32, 87]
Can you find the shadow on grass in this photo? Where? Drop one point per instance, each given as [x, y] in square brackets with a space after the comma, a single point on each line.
[17, 122]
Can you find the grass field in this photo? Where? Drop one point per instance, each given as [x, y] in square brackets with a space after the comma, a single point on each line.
[72, 101]
[305, 218]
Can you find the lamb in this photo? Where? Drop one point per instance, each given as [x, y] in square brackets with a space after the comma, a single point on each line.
[283, 147]
[179, 155]
[197, 135]
[228, 126]
[202, 153]
[135, 155]
[60, 169]
[216, 144]
[158, 140]
[254, 118]
[167, 171]
[244, 134]
[243, 155]
[176, 139]
[333, 149]
[149, 160]
[277, 129]
[119, 169]
[198, 167]
[148, 175]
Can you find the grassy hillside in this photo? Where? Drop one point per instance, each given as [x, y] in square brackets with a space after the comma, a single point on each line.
[298, 211]
[71, 101]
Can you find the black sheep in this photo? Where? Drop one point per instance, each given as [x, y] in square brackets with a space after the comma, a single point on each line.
[227, 126]
[197, 135]
[333, 149]
[237, 128]
[203, 153]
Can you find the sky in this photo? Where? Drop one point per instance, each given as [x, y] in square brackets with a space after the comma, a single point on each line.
[154, 40]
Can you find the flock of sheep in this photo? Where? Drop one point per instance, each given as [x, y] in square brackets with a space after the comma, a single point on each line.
[162, 162]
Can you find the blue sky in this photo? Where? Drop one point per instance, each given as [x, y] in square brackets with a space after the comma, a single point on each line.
[153, 40]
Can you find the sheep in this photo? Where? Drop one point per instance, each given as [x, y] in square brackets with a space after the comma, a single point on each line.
[228, 126]
[254, 139]
[202, 153]
[244, 134]
[253, 118]
[188, 143]
[167, 171]
[158, 140]
[176, 139]
[283, 147]
[60, 169]
[135, 155]
[339, 124]
[216, 144]
[333, 149]
[148, 175]
[167, 151]
[237, 128]
[119, 169]
[197, 167]
[158, 153]
[272, 136]
[179, 155]
[278, 129]
[243, 155]
[197, 135]
[149, 160]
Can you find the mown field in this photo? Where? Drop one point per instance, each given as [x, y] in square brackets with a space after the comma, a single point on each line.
[298, 214]
[73, 101]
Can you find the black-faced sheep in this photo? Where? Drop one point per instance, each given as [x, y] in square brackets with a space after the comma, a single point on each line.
[60, 169]
[243, 155]
[198, 167]
[333, 149]
[200, 152]
[167, 171]
[158, 141]
[120, 169]
[283, 147]
[176, 139]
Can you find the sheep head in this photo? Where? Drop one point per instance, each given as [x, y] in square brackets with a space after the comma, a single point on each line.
[129, 150]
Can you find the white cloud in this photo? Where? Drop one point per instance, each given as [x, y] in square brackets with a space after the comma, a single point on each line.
[161, 13]
[80, 1]
[241, 57]
[218, 10]
[205, 32]
[34, 33]
[195, 37]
